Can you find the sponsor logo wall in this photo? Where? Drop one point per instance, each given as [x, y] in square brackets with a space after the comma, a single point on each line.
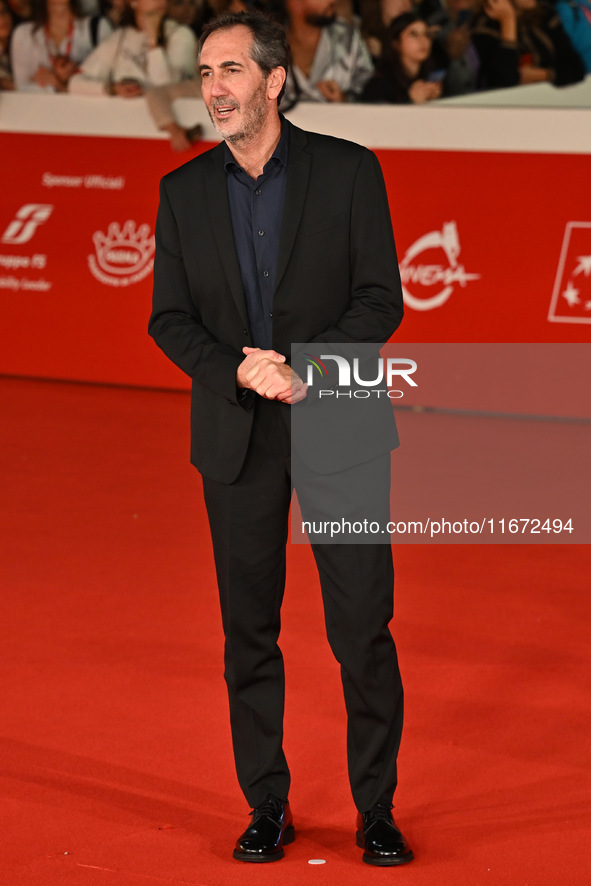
[492, 247]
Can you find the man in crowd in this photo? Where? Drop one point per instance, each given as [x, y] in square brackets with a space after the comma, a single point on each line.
[278, 236]
[330, 60]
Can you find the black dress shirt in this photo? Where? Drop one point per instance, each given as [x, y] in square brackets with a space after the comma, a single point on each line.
[256, 208]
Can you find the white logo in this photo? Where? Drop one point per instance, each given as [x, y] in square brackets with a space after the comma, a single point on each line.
[418, 279]
[386, 370]
[123, 255]
[571, 298]
[22, 228]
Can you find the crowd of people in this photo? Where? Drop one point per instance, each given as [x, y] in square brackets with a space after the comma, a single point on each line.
[378, 51]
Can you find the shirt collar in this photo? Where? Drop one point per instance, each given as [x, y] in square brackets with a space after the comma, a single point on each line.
[280, 152]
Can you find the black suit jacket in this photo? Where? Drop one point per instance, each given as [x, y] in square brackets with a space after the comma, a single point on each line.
[337, 280]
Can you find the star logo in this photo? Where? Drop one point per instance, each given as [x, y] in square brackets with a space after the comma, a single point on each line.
[571, 297]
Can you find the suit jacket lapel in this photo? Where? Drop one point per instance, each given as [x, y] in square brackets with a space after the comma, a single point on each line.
[298, 174]
[218, 210]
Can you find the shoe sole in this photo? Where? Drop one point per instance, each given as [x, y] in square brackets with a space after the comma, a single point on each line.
[288, 837]
[383, 861]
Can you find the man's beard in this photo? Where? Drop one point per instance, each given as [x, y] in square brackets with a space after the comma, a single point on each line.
[254, 114]
[321, 21]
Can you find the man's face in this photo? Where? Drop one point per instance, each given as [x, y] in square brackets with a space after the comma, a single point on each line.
[234, 87]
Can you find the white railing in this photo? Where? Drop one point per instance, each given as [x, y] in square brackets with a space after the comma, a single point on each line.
[454, 124]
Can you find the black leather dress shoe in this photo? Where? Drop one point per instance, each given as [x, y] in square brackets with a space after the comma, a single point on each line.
[378, 836]
[270, 830]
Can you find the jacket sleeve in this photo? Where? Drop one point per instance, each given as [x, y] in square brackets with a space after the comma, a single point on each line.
[175, 324]
[376, 307]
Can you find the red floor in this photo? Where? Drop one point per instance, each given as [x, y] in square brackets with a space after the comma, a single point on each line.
[115, 760]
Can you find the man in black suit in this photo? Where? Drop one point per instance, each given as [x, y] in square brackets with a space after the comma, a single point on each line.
[278, 236]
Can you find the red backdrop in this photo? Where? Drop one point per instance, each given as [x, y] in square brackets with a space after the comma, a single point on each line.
[492, 247]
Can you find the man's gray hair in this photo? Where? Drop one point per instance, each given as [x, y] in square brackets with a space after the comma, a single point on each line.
[269, 49]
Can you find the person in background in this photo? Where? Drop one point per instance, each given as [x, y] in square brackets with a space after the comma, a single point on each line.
[575, 16]
[160, 98]
[522, 41]
[221, 7]
[346, 10]
[187, 12]
[405, 72]
[21, 10]
[453, 48]
[197, 13]
[147, 50]
[89, 7]
[105, 21]
[47, 51]
[7, 22]
[376, 15]
[330, 61]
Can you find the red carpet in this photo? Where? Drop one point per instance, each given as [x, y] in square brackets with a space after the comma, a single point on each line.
[115, 760]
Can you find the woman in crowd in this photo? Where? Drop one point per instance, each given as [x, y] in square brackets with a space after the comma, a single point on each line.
[47, 51]
[147, 50]
[376, 15]
[405, 71]
[7, 21]
[522, 41]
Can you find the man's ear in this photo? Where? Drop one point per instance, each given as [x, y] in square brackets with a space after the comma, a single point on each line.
[275, 82]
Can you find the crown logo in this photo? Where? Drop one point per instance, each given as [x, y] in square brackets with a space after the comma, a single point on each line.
[123, 250]
[123, 255]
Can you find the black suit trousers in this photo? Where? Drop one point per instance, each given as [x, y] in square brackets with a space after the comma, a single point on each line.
[249, 526]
